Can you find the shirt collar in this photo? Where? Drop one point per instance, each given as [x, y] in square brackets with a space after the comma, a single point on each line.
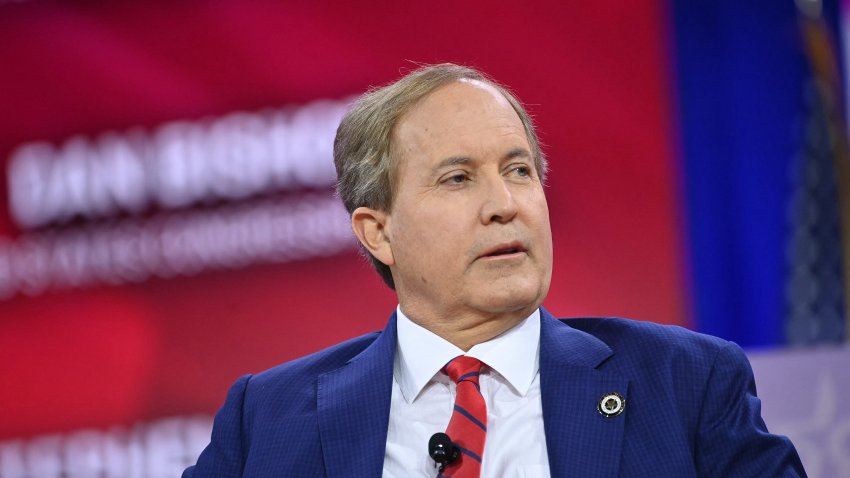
[421, 353]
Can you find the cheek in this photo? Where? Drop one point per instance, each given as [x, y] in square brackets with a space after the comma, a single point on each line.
[430, 240]
[542, 210]
[539, 223]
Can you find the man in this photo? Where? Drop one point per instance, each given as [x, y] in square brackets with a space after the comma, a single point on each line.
[443, 176]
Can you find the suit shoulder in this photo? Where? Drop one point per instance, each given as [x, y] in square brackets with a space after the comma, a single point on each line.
[308, 367]
[649, 341]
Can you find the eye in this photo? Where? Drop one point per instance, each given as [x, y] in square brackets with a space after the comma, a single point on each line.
[522, 171]
[456, 178]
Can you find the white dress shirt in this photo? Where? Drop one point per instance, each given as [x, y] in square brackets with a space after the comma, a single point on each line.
[423, 399]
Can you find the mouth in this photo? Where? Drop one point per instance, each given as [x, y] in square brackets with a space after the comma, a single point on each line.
[504, 250]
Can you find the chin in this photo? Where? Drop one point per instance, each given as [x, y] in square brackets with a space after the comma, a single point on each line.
[513, 300]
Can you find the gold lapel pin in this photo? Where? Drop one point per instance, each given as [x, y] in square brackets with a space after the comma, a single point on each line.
[611, 405]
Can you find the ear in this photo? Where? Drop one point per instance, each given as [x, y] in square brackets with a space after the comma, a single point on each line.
[369, 225]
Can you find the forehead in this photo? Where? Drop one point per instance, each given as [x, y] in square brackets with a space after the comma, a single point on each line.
[461, 115]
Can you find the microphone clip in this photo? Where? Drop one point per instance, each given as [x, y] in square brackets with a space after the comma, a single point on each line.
[442, 449]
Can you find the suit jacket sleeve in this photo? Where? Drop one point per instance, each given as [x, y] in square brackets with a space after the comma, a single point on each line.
[733, 440]
[224, 457]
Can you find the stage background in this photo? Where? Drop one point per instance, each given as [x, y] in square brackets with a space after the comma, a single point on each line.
[167, 219]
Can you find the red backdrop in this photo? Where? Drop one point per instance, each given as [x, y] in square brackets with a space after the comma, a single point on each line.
[594, 75]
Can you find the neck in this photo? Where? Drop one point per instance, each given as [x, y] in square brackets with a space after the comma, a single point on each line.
[465, 329]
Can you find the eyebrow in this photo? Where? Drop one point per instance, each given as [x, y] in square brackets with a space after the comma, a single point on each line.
[452, 161]
[456, 160]
[518, 153]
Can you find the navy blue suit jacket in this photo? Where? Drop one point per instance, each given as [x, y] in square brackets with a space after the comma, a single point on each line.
[691, 408]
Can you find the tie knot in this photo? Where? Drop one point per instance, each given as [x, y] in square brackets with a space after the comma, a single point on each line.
[463, 368]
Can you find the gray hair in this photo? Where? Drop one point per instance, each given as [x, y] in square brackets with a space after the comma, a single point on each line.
[365, 156]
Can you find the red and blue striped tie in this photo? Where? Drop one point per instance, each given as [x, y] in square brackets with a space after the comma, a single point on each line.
[468, 425]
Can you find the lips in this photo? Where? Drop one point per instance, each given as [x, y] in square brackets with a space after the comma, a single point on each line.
[505, 249]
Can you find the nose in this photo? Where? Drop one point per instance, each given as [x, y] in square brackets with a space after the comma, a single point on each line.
[498, 205]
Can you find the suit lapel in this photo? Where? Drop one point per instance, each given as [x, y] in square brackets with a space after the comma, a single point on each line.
[580, 441]
[353, 407]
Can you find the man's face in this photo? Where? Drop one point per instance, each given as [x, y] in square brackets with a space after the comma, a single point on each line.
[469, 227]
